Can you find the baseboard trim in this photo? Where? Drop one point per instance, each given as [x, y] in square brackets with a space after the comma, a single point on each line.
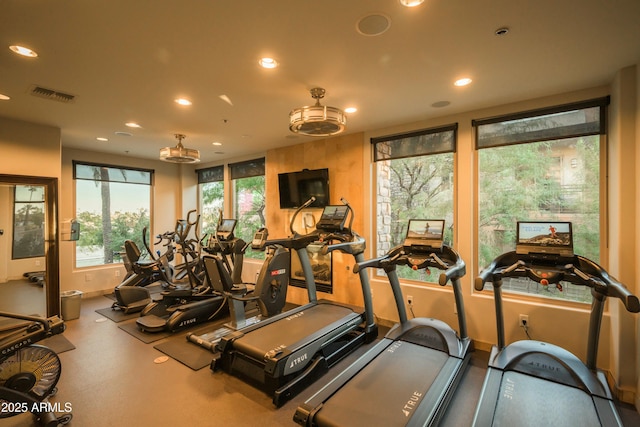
[623, 395]
[96, 293]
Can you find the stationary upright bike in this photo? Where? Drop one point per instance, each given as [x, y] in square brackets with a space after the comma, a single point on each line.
[269, 291]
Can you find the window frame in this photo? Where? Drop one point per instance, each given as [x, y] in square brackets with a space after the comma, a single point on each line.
[227, 174]
[452, 149]
[602, 133]
[242, 170]
[148, 182]
[210, 175]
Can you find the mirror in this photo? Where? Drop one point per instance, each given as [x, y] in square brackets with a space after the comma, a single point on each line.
[29, 244]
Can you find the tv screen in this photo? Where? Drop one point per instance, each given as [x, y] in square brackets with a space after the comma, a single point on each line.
[298, 187]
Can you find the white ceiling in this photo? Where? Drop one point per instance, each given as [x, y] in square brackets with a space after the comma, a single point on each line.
[128, 60]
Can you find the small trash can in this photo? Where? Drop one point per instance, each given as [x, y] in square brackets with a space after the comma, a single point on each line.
[70, 304]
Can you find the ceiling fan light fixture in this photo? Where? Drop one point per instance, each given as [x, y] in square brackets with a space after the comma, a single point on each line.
[179, 153]
[317, 120]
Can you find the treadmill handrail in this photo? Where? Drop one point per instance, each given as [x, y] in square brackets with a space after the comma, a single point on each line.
[385, 262]
[350, 243]
[445, 258]
[577, 270]
[612, 287]
[582, 271]
[296, 241]
[452, 266]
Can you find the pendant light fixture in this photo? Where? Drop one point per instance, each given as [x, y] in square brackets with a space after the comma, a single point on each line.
[179, 154]
[317, 120]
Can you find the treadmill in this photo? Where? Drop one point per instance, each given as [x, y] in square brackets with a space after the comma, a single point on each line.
[283, 354]
[408, 377]
[533, 383]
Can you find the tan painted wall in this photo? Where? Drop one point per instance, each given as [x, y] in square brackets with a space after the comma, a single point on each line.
[35, 151]
[622, 192]
[637, 258]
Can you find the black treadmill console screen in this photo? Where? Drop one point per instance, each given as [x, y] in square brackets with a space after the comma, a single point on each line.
[225, 229]
[333, 218]
[424, 234]
[544, 238]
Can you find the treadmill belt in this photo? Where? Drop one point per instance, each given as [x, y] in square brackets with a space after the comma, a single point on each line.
[387, 390]
[529, 401]
[291, 329]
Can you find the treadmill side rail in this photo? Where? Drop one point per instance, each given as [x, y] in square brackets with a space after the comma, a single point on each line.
[488, 400]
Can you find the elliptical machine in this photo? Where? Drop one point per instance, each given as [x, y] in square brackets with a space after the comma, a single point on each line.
[229, 248]
[184, 304]
[29, 373]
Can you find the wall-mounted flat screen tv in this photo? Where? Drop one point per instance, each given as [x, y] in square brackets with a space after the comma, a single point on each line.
[298, 187]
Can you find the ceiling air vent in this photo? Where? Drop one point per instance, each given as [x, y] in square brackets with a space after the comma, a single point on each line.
[54, 95]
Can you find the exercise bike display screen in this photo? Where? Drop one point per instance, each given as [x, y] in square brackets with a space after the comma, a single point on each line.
[333, 218]
[424, 234]
[544, 237]
[225, 229]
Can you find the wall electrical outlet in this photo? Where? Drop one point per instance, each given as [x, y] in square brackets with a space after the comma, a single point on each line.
[523, 320]
[117, 273]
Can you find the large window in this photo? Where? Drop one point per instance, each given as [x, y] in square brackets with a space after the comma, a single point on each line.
[112, 205]
[249, 200]
[28, 221]
[541, 165]
[414, 181]
[211, 190]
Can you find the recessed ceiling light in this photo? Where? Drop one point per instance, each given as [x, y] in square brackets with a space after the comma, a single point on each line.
[411, 3]
[216, 143]
[183, 101]
[120, 133]
[226, 99]
[502, 31]
[24, 51]
[350, 110]
[440, 104]
[268, 62]
[463, 82]
[4, 97]
[373, 24]
[102, 139]
[132, 125]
